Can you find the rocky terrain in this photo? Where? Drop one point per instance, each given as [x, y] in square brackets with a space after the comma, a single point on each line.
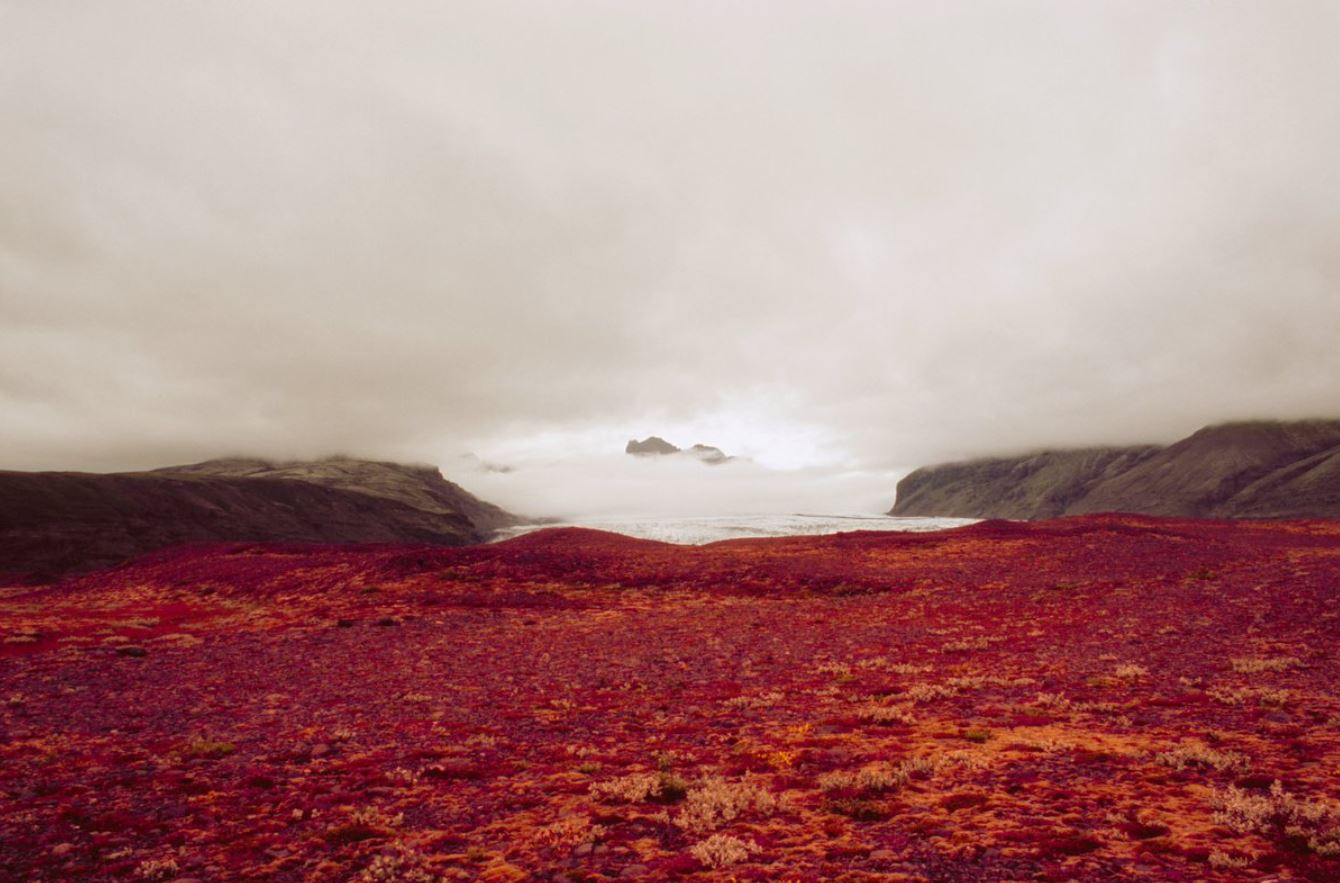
[1096, 698]
[56, 522]
[1259, 469]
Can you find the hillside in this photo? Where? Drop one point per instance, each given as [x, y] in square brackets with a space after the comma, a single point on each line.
[52, 523]
[420, 486]
[1098, 698]
[1259, 469]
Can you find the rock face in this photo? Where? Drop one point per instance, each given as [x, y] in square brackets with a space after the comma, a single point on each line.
[1259, 469]
[52, 523]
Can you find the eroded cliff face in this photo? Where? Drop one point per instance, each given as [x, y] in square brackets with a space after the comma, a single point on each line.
[1259, 469]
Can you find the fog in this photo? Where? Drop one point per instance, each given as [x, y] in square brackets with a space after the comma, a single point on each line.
[593, 486]
[841, 239]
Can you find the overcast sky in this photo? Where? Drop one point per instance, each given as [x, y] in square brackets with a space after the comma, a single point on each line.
[836, 237]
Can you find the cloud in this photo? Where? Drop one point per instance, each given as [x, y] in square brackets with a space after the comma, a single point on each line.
[852, 237]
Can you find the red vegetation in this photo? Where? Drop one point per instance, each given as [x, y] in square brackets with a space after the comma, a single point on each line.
[1094, 698]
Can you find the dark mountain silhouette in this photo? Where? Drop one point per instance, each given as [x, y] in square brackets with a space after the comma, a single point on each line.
[654, 446]
[1257, 469]
[52, 523]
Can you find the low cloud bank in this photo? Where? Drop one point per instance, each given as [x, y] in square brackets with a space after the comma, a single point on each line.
[617, 485]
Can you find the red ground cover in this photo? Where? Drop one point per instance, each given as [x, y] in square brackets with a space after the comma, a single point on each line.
[1093, 698]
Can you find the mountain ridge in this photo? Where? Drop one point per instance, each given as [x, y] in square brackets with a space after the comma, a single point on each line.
[1241, 469]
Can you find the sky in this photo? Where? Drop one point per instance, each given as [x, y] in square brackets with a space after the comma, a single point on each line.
[839, 239]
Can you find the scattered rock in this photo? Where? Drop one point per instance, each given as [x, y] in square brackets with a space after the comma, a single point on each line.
[344, 624]
[61, 849]
[321, 750]
[632, 871]
[132, 650]
[387, 620]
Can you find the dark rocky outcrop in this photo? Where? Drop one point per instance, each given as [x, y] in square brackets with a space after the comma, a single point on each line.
[655, 446]
[709, 454]
[650, 446]
[52, 523]
[1258, 469]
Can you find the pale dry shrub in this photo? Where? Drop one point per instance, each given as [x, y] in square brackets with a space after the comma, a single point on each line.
[632, 788]
[920, 767]
[1048, 744]
[1203, 757]
[157, 869]
[762, 700]
[402, 776]
[404, 866]
[877, 777]
[375, 817]
[722, 851]
[884, 714]
[1270, 696]
[715, 801]
[977, 682]
[1315, 821]
[1225, 862]
[1256, 665]
[882, 663]
[1130, 672]
[569, 831]
[929, 692]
